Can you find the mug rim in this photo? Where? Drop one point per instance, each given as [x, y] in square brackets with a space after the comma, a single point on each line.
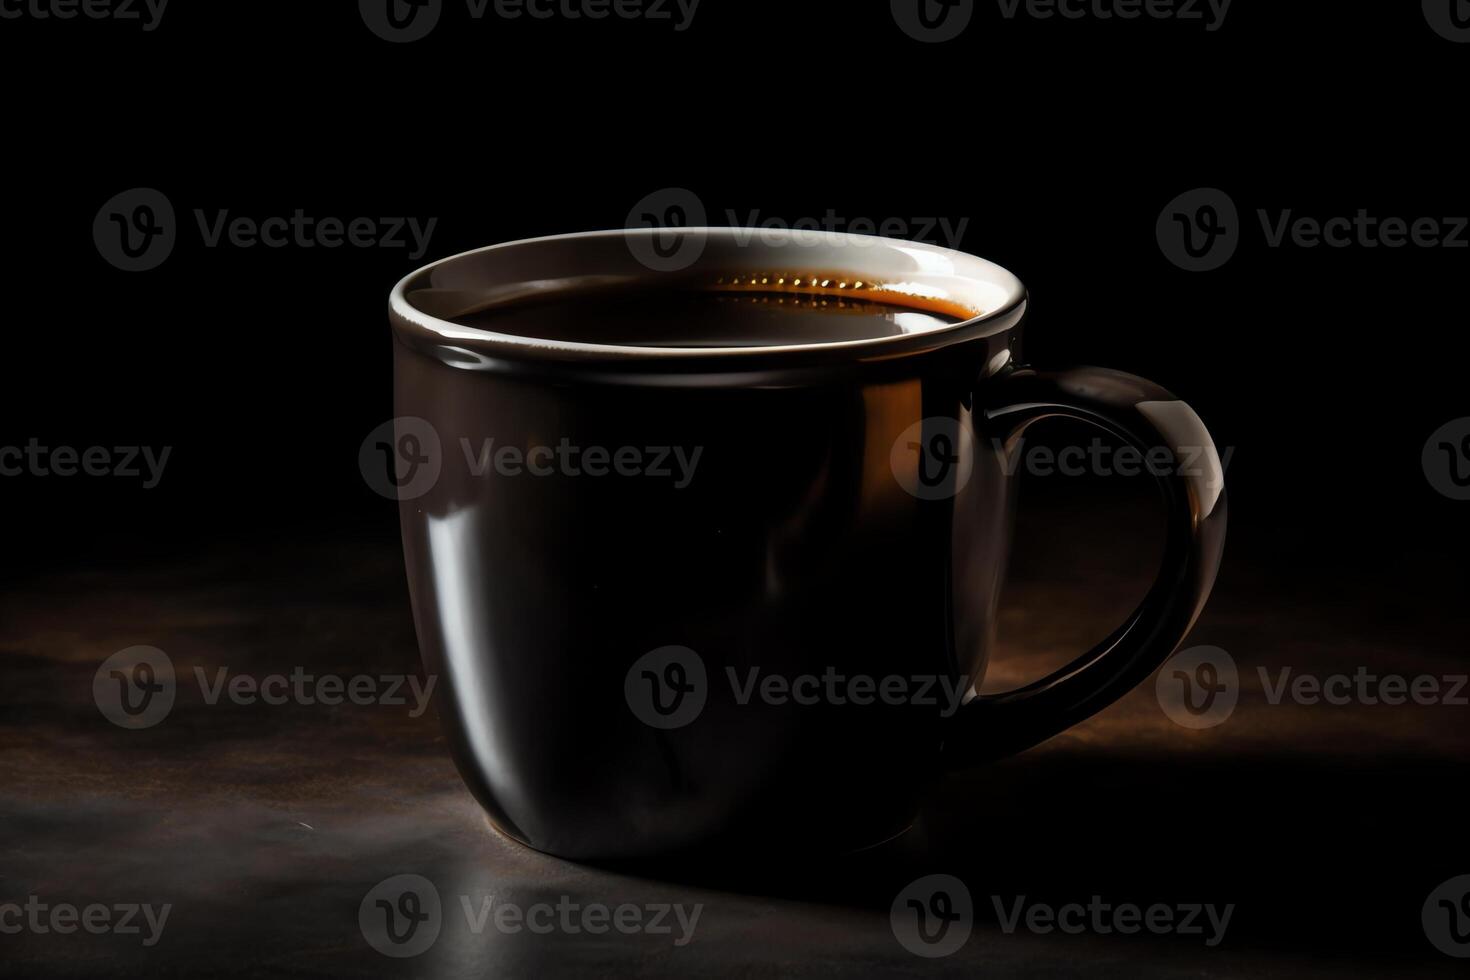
[459, 341]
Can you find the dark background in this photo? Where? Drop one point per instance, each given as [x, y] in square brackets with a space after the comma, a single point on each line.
[1061, 141]
[1325, 369]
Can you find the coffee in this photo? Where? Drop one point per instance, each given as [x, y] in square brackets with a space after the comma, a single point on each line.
[734, 310]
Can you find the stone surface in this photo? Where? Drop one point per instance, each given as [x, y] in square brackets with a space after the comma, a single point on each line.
[265, 826]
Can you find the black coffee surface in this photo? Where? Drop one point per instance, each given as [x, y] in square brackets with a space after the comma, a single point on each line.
[722, 314]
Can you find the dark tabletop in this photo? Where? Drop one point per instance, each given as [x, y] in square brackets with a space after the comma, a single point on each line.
[263, 827]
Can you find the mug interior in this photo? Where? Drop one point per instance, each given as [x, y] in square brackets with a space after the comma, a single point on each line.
[861, 266]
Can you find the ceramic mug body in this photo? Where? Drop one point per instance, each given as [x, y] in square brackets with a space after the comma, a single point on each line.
[687, 599]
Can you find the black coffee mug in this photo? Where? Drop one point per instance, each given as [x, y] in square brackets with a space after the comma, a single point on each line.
[773, 644]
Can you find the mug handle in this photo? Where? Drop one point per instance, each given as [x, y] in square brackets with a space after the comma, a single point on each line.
[1148, 418]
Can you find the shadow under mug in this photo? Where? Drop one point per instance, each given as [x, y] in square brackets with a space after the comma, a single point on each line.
[767, 656]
